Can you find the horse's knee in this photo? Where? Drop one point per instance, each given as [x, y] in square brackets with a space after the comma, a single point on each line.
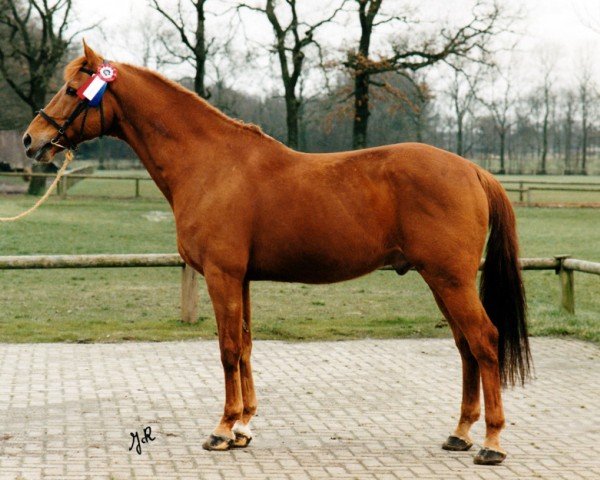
[230, 357]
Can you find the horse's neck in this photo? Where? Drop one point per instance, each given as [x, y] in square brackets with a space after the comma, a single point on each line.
[170, 131]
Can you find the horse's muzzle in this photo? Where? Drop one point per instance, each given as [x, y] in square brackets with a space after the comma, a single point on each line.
[41, 155]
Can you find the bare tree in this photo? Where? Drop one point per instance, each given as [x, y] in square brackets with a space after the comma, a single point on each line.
[548, 63]
[292, 38]
[469, 41]
[35, 42]
[419, 104]
[587, 94]
[151, 50]
[500, 106]
[463, 96]
[225, 60]
[589, 15]
[569, 120]
[193, 36]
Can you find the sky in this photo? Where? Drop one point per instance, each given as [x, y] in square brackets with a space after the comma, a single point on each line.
[555, 29]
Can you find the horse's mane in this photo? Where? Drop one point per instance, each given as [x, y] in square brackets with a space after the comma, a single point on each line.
[73, 67]
[196, 98]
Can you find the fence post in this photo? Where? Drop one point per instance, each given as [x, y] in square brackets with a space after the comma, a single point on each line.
[63, 187]
[567, 285]
[521, 192]
[189, 295]
[137, 188]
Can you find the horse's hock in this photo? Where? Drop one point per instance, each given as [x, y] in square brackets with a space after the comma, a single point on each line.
[368, 409]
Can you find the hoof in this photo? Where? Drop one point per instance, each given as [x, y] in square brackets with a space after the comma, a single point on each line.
[217, 443]
[486, 456]
[456, 444]
[241, 440]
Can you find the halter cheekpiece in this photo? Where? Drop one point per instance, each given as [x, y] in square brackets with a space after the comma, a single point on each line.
[90, 95]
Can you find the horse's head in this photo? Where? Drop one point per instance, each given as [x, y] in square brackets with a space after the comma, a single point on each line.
[70, 118]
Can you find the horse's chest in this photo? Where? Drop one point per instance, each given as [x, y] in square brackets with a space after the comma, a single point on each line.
[204, 239]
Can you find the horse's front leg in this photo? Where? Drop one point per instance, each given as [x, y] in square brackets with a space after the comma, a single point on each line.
[226, 294]
[241, 429]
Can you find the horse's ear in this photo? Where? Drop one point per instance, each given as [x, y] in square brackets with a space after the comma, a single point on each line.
[91, 57]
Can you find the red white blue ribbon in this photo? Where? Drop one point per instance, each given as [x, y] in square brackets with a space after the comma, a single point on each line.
[93, 90]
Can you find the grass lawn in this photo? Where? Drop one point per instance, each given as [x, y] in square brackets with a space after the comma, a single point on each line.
[143, 303]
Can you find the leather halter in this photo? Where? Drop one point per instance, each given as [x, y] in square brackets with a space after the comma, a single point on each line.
[82, 106]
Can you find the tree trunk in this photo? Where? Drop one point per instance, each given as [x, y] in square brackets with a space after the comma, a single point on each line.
[302, 140]
[419, 126]
[542, 170]
[361, 111]
[292, 110]
[568, 142]
[37, 185]
[502, 170]
[199, 83]
[584, 149]
[459, 137]
[200, 52]
[362, 77]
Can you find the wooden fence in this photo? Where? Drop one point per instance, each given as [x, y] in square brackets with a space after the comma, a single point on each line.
[563, 265]
[524, 188]
[74, 177]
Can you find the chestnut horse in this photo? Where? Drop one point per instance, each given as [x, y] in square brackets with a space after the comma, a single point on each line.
[248, 208]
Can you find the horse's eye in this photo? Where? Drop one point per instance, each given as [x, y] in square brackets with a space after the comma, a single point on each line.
[71, 91]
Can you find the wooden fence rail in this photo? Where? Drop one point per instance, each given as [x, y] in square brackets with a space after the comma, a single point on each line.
[81, 176]
[563, 265]
[523, 187]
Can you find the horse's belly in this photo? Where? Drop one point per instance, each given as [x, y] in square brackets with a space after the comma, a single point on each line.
[298, 274]
[324, 266]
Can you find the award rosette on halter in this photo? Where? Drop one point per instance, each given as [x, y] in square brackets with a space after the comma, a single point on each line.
[94, 88]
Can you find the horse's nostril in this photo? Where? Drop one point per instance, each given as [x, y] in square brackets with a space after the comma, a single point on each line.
[27, 140]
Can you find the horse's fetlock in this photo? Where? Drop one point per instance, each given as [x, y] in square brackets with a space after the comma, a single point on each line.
[470, 417]
[250, 410]
[494, 424]
[233, 413]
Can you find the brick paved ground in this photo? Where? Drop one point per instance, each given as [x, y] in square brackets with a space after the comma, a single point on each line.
[325, 411]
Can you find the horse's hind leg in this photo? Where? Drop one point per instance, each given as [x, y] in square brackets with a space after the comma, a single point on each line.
[241, 429]
[461, 300]
[470, 409]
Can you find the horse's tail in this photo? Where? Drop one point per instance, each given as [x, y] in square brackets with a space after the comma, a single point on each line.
[501, 287]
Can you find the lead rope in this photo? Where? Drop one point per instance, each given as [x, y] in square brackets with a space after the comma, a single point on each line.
[68, 159]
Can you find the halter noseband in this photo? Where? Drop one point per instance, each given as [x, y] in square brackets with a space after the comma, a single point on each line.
[82, 106]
